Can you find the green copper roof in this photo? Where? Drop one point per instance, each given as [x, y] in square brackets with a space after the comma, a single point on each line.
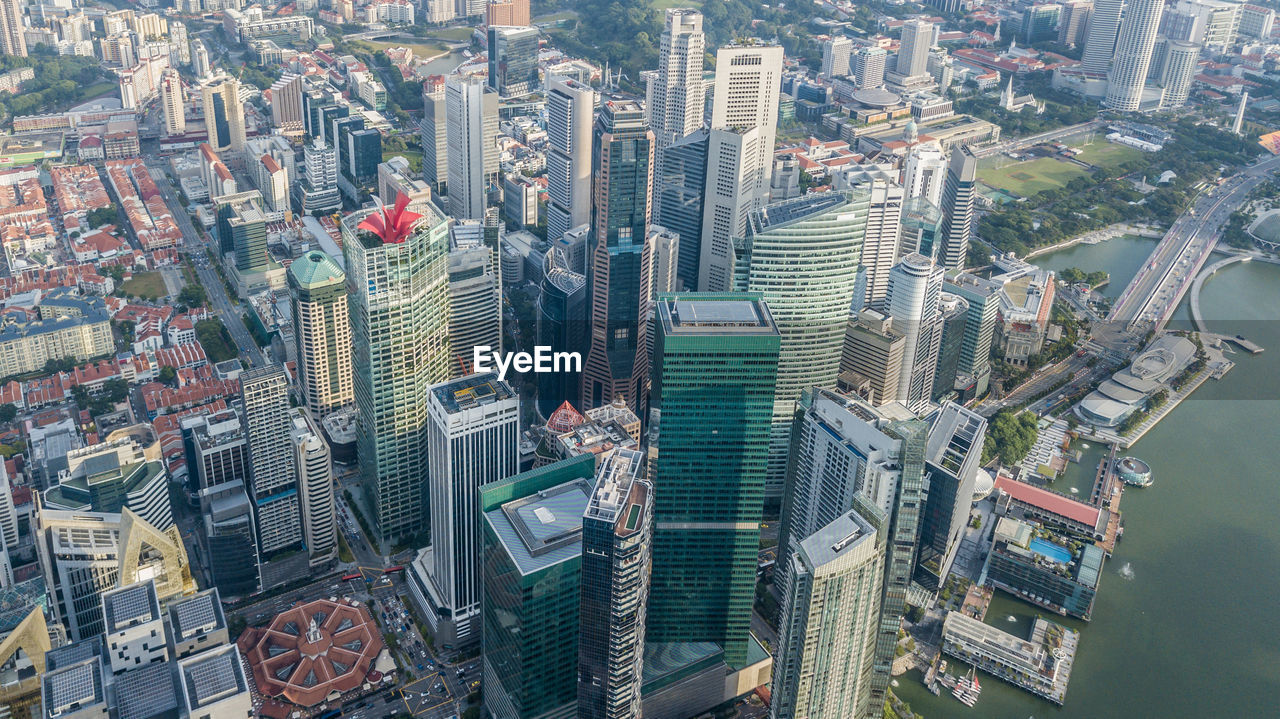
[315, 269]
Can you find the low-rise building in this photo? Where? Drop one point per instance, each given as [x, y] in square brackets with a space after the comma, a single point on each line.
[1050, 570]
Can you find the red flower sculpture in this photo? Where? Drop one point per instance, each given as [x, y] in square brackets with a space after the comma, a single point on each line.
[393, 225]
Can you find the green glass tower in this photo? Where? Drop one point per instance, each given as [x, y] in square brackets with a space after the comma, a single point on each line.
[531, 572]
[398, 293]
[801, 256]
[715, 362]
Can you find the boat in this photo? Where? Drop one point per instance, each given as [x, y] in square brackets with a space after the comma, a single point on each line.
[967, 689]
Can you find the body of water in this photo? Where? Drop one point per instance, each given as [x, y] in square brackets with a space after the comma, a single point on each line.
[1184, 624]
[1121, 257]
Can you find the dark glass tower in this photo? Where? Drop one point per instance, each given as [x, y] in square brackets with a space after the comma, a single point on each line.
[562, 326]
[684, 176]
[715, 364]
[622, 164]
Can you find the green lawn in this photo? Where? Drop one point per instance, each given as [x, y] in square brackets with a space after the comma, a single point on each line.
[420, 49]
[1107, 154]
[664, 4]
[556, 16]
[452, 34]
[413, 156]
[1031, 176]
[145, 284]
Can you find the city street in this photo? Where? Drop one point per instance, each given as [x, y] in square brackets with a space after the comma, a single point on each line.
[209, 278]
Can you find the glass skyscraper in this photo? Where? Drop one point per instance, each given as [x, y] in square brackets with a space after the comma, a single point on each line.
[714, 367]
[617, 363]
[398, 292]
[801, 256]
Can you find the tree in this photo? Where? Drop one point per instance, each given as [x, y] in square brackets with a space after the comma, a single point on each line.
[192, 296]
[168, 375]
[8, 413]
[101, 216]
[1010, 436]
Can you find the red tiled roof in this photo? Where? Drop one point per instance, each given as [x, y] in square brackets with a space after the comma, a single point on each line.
[1049, 501]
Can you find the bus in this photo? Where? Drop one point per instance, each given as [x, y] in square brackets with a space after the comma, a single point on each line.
[352, 577]
[393, 570]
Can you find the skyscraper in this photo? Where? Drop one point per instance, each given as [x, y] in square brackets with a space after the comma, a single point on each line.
[513, 60]
[714, 367]
[1134, 44]
[915, 289]
[732, 192]
[223, 113]
[472, 118]
[264, 392]
[173, 101]
[924, 172]
[1073, 23]
[745, 104]
[322, 331]
[435, 144]
[913, 53]
[1179, 71]
[958, 194]
[617, 363]
[952, 456]
[873, 352]
[1100, 36]
[314, 465]
[955, 313]
[801, 257]
[472, 440]
[286, 103]
[868, 66]
[13, 41]
[835, 56]
[829, 621]
[973, 369]
[562, 326]
[475, 296]
[684, 177]
[318, 192]
[880, 242]
[617, 537]
[531, 564]
[570, 113]
[398, 291]
[675, 98]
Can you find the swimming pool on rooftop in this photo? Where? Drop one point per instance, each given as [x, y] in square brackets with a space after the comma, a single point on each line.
[1048, 549]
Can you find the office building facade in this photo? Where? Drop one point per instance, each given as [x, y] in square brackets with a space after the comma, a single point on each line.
[471, 113]
[959, 191]
[570, 114]
[264, 393]
[322, 331]
[513, 60]
[715, 365]
[398, 291]
[1135, 42]
[675, 99]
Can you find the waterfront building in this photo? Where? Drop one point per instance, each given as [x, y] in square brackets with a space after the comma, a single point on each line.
[570, 112]
[471, 116]
[513, 60]
[1047, 569]
[472, 440]
[959, 192]
[398, 290]
[531, 565]
[915, 289]
[617, 537]
[1041, 664]
[675, 98]
[322, 331]
[800, 256]
[709, 428]
[1048, 507]
[617, 362]
[1135, 42]
[953, 455]
[314, 465]
[829, 621]
[264, 394]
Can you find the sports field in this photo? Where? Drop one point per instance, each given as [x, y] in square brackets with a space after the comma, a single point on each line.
[1031, 176]
[1101, 153]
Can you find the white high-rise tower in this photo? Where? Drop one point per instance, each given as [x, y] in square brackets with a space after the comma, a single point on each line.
[1134, 44]
[1100, 36]
[915, 289]
[570, 114]
[675, 99]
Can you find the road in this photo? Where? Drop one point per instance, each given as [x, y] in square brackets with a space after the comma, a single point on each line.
[209, 278]
[1158, 287]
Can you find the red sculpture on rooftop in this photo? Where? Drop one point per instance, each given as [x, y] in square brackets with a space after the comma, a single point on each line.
[394, 224]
